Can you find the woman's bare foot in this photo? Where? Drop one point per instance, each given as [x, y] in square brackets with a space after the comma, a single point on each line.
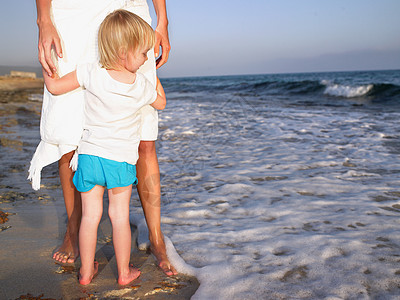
[133, 273]
[85, 280]
[68, 252]
[159, 251]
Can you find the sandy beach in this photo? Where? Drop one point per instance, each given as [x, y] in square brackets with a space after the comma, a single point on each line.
[34, 230]
[32, 223]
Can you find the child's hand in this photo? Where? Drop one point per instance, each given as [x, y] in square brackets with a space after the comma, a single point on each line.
[160, 101]
[48, 80]
[159, 88]
[48, 77]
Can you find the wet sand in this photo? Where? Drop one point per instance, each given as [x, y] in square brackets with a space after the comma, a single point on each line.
[34, 223]
[27, 270]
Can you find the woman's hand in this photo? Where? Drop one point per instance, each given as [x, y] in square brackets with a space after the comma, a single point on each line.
[48, 38]
[162, 40]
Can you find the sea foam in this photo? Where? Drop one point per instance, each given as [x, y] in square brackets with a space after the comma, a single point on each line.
[346, 91]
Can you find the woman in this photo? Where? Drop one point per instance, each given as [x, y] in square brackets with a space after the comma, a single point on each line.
[68, 28]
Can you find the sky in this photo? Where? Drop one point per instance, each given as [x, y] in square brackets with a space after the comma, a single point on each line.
[230, 37]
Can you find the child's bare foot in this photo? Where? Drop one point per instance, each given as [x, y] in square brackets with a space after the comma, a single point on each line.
[160, 253]
[84, 280]
[68, 252]
[132, 275]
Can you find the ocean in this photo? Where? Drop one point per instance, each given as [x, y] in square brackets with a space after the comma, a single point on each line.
[280, 186]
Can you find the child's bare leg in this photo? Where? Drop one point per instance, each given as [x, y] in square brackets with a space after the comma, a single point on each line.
[148, 174]
[92, 210]
[68, 252]
[118, 211]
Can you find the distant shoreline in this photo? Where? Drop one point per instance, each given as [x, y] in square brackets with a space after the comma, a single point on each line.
[8, 84]
[15, 89]
[4, 70]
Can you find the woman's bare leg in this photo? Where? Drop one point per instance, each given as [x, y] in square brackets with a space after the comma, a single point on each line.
[68, 252]
[148, 174]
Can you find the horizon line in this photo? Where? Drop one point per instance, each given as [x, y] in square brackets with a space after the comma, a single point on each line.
[37, 68]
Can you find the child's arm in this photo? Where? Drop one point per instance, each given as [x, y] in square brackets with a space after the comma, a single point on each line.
[160, 101]
[58, 86]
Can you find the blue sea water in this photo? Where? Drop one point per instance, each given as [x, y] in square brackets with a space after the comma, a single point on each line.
[284, 186]
[339, 89]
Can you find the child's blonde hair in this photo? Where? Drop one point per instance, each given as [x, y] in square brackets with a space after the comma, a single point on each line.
[122, 31]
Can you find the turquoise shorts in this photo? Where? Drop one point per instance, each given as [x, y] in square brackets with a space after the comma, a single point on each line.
[93, 170]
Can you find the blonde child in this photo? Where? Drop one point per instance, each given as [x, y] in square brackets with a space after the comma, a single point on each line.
[108, 150]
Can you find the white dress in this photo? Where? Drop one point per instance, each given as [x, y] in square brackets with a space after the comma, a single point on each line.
[61, 123]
